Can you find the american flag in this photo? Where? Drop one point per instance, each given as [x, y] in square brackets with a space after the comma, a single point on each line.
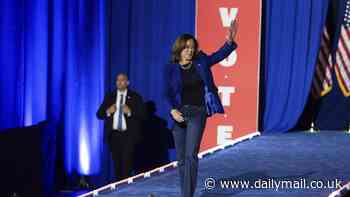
[322, 82]
[342, 66]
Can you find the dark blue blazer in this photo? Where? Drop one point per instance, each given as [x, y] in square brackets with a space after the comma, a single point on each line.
[203, 63]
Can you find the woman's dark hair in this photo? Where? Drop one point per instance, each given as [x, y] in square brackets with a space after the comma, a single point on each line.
[180, 44]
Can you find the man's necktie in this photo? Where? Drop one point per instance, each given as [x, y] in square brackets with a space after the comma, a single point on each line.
[120, 114]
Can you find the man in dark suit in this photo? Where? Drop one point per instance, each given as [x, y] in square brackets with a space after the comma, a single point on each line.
[123, 112]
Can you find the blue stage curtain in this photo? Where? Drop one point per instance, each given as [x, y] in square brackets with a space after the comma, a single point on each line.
[142, 34]
[53, 57]
[292, 39]
[55, 65]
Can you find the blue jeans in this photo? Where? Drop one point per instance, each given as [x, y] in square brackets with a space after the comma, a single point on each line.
[187, 137]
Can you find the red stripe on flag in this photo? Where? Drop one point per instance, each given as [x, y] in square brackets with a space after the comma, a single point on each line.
[342, 45]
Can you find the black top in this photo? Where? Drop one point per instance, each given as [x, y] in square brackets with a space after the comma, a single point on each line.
[192, 88]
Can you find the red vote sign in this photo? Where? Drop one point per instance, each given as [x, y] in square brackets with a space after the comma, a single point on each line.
[237, 77]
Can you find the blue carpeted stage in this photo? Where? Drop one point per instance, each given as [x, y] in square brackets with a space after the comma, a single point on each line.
[296, 156]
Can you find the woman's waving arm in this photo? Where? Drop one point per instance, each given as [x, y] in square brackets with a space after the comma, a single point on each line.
[229, 46]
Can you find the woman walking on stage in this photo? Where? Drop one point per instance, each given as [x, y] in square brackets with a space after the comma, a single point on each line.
[193, 96]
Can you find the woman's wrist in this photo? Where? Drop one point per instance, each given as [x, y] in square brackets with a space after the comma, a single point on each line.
[230, 41]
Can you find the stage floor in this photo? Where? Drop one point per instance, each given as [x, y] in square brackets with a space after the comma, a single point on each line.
[297, 159]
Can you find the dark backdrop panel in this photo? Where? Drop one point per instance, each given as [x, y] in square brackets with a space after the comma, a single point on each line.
[27, 160]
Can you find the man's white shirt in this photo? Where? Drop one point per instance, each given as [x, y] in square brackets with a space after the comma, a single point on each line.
[120, 107]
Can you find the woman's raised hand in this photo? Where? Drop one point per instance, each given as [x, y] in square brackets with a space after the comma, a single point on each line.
[232, 31]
